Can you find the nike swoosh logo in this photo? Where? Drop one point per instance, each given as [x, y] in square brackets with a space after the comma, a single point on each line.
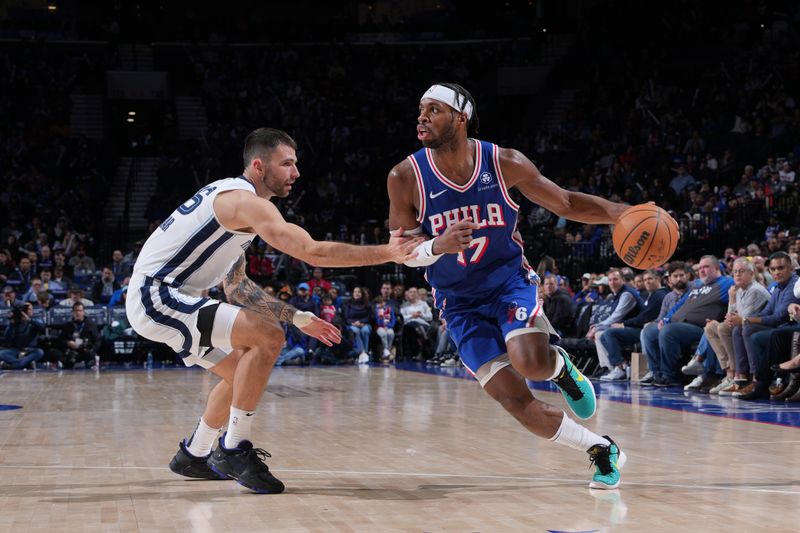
[432, 196]
[249, 414]
[579, 378]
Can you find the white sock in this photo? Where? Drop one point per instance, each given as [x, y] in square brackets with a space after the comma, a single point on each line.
[576, 436]
[238, 427]
[559, 364]
[201, 441]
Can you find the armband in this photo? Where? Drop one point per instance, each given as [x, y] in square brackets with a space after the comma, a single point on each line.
[424, 254]
[302, 319]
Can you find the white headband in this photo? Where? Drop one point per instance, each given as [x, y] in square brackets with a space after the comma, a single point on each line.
[448, 96]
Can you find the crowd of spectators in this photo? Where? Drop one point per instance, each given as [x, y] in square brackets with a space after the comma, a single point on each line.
[715, 141]
[730, 322]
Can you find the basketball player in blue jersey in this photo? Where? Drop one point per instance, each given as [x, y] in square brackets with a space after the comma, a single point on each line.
[202, 244]
[455, 190]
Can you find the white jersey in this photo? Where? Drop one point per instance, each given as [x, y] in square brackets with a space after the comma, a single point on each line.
[191, 250]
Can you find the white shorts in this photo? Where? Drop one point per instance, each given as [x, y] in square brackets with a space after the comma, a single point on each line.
[164, 314]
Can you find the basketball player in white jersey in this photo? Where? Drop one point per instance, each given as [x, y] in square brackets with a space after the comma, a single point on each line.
[202, 244]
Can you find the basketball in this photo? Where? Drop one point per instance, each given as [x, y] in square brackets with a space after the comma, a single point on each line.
[645, 236]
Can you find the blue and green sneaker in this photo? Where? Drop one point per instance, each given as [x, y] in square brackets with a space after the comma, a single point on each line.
[577, 390]
[608, 461]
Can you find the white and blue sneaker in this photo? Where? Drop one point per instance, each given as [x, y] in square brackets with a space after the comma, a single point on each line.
[576, 388]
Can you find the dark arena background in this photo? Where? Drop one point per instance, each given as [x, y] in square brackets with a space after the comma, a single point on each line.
[113, 114]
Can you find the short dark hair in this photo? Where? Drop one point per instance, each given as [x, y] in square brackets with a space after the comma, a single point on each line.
[780, 255]
[676, 265]
[474, 122]
[76, 305]
[262, 141]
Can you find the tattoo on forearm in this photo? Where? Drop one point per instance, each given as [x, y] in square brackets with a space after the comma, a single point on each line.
[243, 291]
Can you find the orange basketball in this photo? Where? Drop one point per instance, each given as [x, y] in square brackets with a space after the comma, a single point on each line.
[645, 236]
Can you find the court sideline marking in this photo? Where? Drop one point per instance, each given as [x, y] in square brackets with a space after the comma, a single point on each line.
[738, 488]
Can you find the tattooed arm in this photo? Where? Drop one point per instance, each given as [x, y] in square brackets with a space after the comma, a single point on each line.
[243, 291]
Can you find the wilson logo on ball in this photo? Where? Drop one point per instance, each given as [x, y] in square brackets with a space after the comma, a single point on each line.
[633, 251]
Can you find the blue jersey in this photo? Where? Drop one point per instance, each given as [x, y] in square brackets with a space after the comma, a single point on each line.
[494, 257]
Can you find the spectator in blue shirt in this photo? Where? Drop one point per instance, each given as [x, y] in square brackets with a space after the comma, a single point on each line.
[706, 299]
[757, 330]
[588, 293]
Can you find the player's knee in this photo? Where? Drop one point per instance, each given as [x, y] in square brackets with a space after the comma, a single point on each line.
[534, 364]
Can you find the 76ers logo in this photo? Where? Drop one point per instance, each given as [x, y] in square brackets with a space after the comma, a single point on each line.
[486, 178]
[516, 313]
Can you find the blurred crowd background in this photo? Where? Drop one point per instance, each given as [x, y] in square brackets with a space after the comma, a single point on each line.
[113, 115]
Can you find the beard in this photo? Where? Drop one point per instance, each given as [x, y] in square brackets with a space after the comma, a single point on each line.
[681, 286]
[446, 137]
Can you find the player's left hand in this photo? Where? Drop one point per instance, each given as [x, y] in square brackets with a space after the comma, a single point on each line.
[323, 331]
[456, 237]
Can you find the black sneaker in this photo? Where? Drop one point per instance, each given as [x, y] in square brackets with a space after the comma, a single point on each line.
[186, 464]
[666, 382]
[246, 465]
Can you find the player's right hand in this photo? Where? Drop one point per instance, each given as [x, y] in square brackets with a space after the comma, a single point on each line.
[403, 248]
[456, 237]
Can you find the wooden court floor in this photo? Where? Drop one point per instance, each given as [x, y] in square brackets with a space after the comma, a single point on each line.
[371, 450]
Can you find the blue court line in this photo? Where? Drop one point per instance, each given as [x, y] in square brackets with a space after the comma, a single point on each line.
[672, 398]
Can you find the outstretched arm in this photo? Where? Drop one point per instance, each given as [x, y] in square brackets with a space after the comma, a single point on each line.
[520, 172]
[243, 291]
[241, 210]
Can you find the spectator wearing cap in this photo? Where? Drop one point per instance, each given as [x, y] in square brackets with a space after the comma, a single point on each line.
[104, 288]
[625, 303]
[588, 292]
[284, 293]
[74, 296]
[10, 298]
[303, 301]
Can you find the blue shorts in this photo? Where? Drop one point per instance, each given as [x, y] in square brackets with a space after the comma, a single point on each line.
[480, 330]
